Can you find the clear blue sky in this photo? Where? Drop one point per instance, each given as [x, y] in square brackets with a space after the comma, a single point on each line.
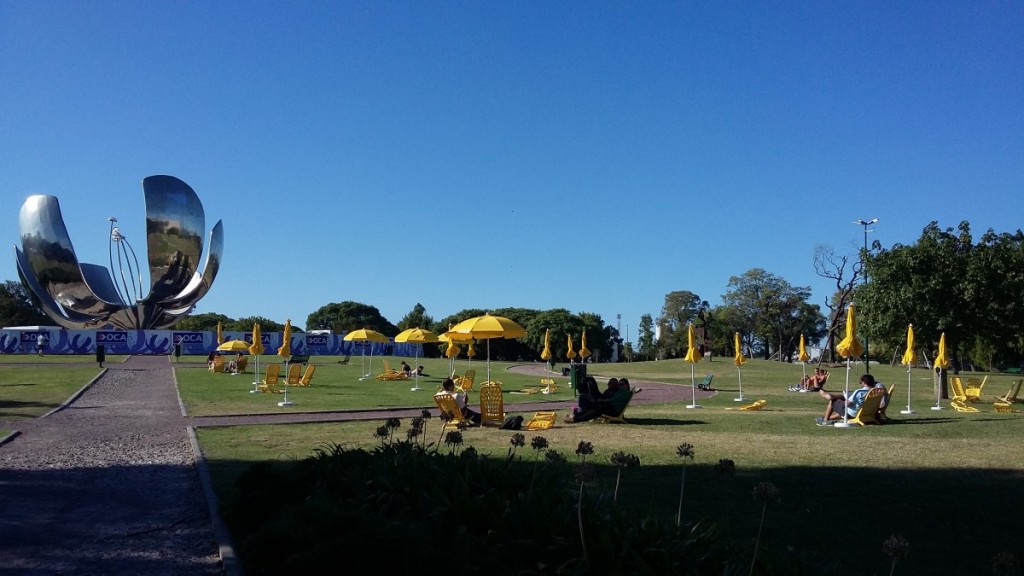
[587, 155]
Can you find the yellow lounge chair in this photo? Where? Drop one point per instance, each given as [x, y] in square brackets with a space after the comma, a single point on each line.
[270, 380]
[973, 389]
[465, 382]
[307, 376]
[1011, 396]
[868, 412]
[294, 374]
[541, 421]
[755, 405]
[446, 404]
[549, 385]
[492, 405]
[390, 374]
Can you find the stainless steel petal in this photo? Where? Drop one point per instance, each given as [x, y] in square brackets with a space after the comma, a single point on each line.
[66, 318]
[49, 257]
[201, 282]
[174, 235]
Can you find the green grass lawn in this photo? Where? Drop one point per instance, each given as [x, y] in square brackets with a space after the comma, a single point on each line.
[30, 392]
[838, 485]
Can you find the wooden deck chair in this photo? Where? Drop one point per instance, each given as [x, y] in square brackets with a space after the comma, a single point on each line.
[1004, 407]
[973, 388]
[1011, 396]
[868, 412]
[241, 364]
[549, 385]
[619, 418]
[958, 388]
[218, 364]
[294, 374]
[345, 359]
[465, 382]
[492, 405]
[961, 406]
[446, 404]
[306, 376]
[270, 380]
[705, 384]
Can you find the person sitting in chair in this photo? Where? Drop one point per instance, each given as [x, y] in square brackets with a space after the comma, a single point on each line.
[838, 402]
[461, 400]
[612, 402]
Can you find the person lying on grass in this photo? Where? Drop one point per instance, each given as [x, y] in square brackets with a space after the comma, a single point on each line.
[837, 402]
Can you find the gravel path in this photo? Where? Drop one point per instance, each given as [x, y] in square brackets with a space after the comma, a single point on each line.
[110, 483]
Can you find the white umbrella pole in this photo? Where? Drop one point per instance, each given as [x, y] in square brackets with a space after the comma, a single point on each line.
[739, 375]
[693, 388]
[488, 360]
[846, 394]
[285, 402]
[417, 363]
[938, 390]
[908, 410]
[256, 380]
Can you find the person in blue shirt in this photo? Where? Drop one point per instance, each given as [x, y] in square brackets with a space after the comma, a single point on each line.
[837, 402]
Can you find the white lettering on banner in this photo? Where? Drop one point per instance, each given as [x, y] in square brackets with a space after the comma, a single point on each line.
[316, 340]
[111, 337]
[188, 337]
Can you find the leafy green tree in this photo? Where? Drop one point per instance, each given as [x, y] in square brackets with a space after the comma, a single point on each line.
[645, 338]
[561, 323]
[347, 316]
[266, 325]
[206, 322]
[775, 311]
[17, 307]
[416, 318]
[681, 308]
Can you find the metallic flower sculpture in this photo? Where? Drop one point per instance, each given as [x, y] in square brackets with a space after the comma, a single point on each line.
[78, 295]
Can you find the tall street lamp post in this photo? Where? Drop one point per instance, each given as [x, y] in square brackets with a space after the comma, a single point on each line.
[864, 266]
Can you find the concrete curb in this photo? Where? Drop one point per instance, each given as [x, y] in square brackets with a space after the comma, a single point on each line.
[225, 545]
[76, 394]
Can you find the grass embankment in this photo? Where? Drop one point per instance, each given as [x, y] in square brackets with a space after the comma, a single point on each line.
[842, 489]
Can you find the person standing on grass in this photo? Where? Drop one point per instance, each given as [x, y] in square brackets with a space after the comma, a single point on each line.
[837, 402]
[40, 344]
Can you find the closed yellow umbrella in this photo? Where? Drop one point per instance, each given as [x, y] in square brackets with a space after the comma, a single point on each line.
[803, 357]
[941, 361]
[545, 354]
[849, 348]
[220, 334]
[285, 351]
[286, 340]
[584, 351]
[692, 356]
[739, 360]
[256, 348]
[908, 360]
[570, 353]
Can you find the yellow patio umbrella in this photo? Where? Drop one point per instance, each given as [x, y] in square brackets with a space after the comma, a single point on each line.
[285, 351]
[908, 360]
[849, 348]
[803, 356]
[739, 360]
[234, 346]
[416, 336]
[941, 361]
[487, 327]
[365, 335]
[584, 351]
[692, 356]
[570, 353]
[220, 334]
[256, 348]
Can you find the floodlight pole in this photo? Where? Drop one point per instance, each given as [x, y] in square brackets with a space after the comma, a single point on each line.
[864, 267]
